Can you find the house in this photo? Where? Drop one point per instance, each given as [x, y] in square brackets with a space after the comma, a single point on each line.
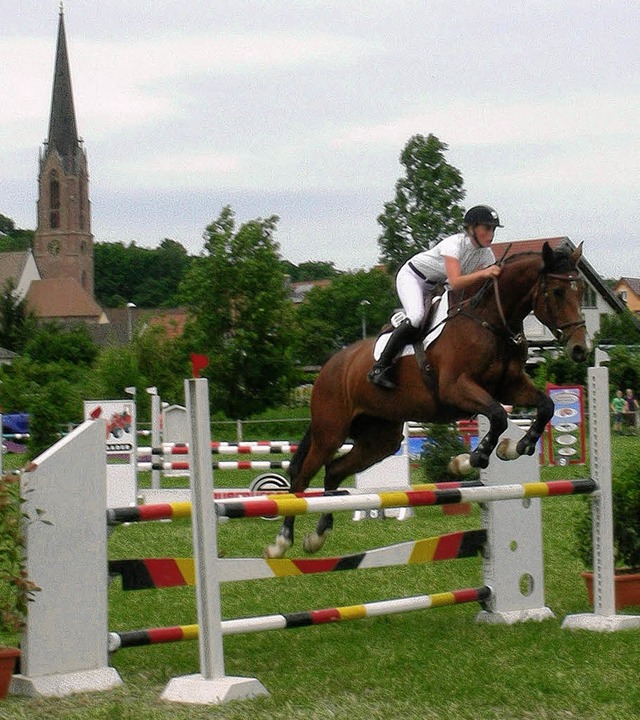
[299, 290]
[628, 290]
[597, 299]
[19, 267]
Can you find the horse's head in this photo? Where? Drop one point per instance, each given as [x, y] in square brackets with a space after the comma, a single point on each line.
[557, 300]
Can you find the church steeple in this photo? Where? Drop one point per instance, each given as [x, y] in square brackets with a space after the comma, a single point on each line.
[63, 243]
[63, 133]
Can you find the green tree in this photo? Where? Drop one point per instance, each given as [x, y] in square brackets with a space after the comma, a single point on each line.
[426, 207]
[48, 380]
[16, 320]
[13, 238]
[335, 316]
[618, 329]
[147, 277]
[241, 316]
[310, 270]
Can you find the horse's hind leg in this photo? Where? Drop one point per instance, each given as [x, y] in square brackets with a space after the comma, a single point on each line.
[373, 440]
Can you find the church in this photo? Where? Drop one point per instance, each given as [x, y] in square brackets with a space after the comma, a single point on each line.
[57, 276]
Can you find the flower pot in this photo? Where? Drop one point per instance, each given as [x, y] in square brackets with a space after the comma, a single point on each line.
[462, 508]
[8, 656]
[626, 589]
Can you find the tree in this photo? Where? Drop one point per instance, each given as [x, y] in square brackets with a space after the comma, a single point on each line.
[147, 277]
[426, 206]
[336, 315]
[16, 320]
[13, 238]
[311, 270]
[241, 316]
[618, 329]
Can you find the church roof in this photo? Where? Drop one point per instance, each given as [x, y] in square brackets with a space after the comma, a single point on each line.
[63, 298]
[63, 133]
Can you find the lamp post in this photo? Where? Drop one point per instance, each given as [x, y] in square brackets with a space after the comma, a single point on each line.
[130, 307]
[363, 305]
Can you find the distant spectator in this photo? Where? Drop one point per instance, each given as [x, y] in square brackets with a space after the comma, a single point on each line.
[631, 409]
[618, 405]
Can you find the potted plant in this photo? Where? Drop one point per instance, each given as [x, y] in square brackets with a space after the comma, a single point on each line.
[15, 588]
[626, 536]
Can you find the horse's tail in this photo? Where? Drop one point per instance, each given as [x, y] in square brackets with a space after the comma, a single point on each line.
[299, 456]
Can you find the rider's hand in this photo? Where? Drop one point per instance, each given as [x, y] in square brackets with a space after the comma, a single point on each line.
[492, 271]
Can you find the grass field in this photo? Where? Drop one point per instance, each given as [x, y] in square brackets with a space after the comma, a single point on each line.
[428, 664]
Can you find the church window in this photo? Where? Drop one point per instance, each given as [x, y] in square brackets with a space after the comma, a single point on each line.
[54, 201]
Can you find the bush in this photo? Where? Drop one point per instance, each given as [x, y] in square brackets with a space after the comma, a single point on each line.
[442, 444]
[626, 520]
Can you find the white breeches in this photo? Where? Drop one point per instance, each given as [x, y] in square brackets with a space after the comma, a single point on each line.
[410, 289]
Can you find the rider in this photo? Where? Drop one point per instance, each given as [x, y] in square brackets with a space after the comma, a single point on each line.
[458, 260]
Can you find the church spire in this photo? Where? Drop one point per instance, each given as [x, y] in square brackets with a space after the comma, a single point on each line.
[63, 133]
[63, 242]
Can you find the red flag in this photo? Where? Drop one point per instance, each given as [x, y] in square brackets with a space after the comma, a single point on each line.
[198, 362]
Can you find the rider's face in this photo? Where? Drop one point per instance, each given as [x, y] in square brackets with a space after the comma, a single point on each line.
[484, 234]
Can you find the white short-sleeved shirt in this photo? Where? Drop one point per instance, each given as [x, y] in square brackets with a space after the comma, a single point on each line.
[431, 262]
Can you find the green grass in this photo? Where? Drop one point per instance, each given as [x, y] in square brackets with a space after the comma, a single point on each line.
[428, 664]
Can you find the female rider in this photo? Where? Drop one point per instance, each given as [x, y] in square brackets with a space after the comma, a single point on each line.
[458, 260]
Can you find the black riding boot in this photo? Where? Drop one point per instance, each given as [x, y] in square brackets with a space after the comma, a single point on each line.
[382, 370]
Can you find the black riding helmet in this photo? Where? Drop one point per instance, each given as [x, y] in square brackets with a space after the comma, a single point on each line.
[481, 215]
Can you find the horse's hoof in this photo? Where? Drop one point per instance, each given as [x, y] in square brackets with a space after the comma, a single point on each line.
[278, 549]
[460, 465]
[507, 449]
[313, 542]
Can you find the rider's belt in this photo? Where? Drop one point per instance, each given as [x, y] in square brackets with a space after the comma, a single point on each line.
[416, 271]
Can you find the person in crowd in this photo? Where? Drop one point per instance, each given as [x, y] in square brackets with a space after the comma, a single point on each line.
[618, 405]
[631, 409]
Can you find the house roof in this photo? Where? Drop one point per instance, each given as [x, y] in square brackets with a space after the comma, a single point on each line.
[62, 298]
[632, 283]
[535, 245]
[12, 264]
[299, 290]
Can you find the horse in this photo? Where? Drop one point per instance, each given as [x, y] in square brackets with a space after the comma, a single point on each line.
[476, 366]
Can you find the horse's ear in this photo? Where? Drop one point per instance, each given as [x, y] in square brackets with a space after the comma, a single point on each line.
[577, 254]
[547, 255]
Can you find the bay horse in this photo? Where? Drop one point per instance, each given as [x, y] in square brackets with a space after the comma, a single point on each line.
[477, 365]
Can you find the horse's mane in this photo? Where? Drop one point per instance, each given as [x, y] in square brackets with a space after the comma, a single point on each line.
[561, 262]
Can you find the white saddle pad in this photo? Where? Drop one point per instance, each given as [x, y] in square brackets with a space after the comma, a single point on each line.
[437, 318]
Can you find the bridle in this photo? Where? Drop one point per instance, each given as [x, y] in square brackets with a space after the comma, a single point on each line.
[559, 330]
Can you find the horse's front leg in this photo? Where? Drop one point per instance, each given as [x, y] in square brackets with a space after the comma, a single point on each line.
[526, 394]
[479, 458]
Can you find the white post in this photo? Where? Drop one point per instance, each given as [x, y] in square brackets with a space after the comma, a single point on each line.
[211, 685]
[64, 646]
[513, 565]
[155, 432]
[604, 616]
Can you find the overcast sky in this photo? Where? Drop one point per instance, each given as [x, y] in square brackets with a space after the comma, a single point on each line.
[300, 108]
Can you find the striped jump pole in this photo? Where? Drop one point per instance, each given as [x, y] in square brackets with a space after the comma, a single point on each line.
[147, 573]
[255, 507]
[241, 626]
[178, 510]
[222, 465]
